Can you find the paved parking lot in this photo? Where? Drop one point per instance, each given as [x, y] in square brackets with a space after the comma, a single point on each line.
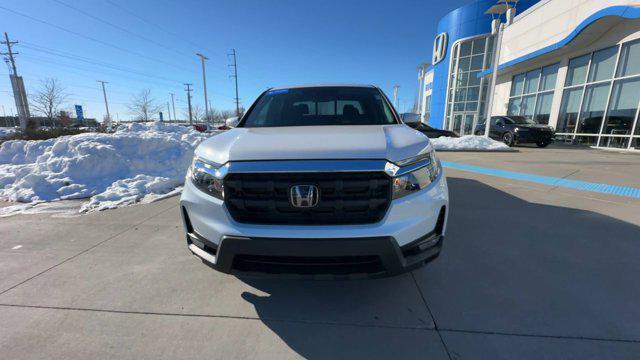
[528, 271]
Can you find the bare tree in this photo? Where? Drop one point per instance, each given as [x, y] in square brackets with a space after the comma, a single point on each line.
[48, 98]
[143, 106]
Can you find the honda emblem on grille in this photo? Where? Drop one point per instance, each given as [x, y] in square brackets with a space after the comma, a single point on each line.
[304, 196]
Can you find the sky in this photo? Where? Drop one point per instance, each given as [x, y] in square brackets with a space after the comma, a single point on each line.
[151, 44]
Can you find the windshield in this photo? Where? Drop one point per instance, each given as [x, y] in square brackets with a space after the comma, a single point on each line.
[320, 106]
[521, 120]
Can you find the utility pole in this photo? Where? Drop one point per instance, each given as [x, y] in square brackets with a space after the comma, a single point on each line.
[175, 117]
[395, 96]
[106, 104]
[19, 93]
[235, 76]
[204, 85]
[169, 112]
[188, 90]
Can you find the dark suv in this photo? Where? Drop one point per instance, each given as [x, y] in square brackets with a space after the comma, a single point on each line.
[517, 130]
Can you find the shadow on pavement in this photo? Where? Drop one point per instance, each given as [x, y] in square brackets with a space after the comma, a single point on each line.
[514, 266]
[508, 266]
[377, 319]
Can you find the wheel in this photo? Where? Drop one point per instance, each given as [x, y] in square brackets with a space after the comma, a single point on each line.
[507, 138]
[542, 144]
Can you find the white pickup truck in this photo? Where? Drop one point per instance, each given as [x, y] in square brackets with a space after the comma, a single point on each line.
[316, 181]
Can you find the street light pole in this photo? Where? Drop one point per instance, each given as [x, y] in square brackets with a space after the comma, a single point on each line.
[204, 85]
[106, 104]
[497, 27]
[494, 77]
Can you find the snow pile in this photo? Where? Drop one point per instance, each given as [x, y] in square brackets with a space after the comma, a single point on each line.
[468, 142]
[6, 131]
[137, 161]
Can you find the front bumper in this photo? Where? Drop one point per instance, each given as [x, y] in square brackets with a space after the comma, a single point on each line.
[410, 234]
[316, 258]
[534, 137]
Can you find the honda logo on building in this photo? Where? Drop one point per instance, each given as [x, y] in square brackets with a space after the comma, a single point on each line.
[439, 48]
[304, 196]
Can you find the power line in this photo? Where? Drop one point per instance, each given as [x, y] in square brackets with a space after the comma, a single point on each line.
[92, 71]
[71, 56]
[90, 38]
[131, 13]
[167, 81]
[120, 28]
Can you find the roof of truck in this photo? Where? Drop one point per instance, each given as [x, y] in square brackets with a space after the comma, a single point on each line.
[322, 85]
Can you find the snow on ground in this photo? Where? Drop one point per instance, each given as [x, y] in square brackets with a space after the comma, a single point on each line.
[468, 142]
[139, 162]
[6, 131]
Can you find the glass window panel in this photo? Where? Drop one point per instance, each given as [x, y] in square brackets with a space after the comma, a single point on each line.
[517, 85]
[514, 106]
[458, 107]
[549, 76]
[603, 64]
[476, 62]
[569, 110]
[465, 48]
[462, 79]
[473, 93]
[614, 142]
[471, 106]
[457, 123]
[623, 107]
[543, 108]
[586, 140]
[531, 81]
[474, 80]
[528, 104]
[464, 64]
[577, 72]
[468, 124]
[636, 143]
[478, 46]
[630, 59]
[461, 94]
[595, 102]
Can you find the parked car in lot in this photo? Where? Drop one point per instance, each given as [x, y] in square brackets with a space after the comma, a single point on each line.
[433, 133]
[517, 130]
[413, 120]
[316, 180]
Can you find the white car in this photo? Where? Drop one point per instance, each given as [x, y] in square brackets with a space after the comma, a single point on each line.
[316, 181]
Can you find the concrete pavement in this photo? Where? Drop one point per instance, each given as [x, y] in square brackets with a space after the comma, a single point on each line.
[528, 271]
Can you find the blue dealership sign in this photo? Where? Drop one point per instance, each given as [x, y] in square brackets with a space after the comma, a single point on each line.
[79, 113]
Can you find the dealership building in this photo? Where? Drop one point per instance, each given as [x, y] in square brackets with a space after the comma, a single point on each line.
[571, 64]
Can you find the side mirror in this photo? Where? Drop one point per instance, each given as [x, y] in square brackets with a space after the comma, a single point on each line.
[232, 122]
[410, 119]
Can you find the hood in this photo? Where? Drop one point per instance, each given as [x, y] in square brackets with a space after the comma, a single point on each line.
[390, 142]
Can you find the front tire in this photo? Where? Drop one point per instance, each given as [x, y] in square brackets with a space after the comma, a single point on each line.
[507, 138]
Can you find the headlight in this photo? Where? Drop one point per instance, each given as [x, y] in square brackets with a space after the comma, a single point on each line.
[427, 169]
[207, 177]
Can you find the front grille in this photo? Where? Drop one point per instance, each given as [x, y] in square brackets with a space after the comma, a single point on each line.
[337, 265]
[344, 198]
